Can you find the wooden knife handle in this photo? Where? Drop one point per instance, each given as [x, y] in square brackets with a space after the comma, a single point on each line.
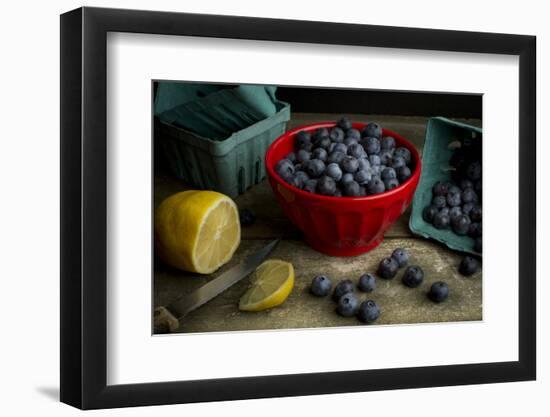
[164, 321]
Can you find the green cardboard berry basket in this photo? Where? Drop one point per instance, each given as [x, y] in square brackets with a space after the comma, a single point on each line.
[229, 165]
[441, 137]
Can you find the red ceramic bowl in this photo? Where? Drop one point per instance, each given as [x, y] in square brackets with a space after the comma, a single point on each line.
[340, 226]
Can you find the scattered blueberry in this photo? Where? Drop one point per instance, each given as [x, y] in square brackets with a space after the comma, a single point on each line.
[367, 282]
[246, 217]
[413, 276]
[401, 256]
[388, 268]
[321, 286]
[468, 266]
[348, 304]
[439, 292]
[342, 288]
[368, 311]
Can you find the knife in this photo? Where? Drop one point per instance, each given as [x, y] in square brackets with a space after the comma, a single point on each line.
[167, 318]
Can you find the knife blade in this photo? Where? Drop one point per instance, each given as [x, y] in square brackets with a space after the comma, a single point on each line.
[166, 318]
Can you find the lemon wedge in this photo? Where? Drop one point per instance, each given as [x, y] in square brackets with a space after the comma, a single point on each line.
[197, 231]
[272, 283]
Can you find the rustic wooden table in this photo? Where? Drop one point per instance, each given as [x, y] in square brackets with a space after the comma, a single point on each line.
[399, 304]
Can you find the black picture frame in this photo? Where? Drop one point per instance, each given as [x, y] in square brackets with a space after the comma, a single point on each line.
[84, 207]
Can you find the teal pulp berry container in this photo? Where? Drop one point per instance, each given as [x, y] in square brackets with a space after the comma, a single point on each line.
[229, 164]
[442, 137]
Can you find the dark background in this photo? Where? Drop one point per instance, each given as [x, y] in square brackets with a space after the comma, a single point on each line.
[325, 100]
[404, 103]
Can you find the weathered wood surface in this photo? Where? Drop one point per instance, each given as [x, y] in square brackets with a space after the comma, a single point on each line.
[301, 310]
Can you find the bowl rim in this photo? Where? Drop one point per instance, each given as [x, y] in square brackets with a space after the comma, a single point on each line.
[385, 132]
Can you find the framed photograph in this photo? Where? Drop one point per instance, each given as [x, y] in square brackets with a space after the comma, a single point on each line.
[259, 208]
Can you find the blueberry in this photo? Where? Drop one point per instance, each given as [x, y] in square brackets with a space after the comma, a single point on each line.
[362, 177]
[469, 196]
[367, 282]
[293, 180]
[466, 184]
[468, 266]
[341, 147]
[441, 188]
[397, 161]
[413, 276]
[348, 304]
[475, 230]
[403, 174]
[347, 177]
[371, 145]
[473, 171]
[322, 132]
[387, 143]
[388, 174]
[374, 159]
[439, 292]
[349, 140]
[376, 170]
[401, 256]
[333, 171]
[301, 139]
[291, 157]
[385, 157]
[302, 176]
[335, 157]
[441, 220]
[461, 224]
[454, 189]
[387, 268]
[455, 212]
[338, 192]
[336, 135]
[354, 134]
[356, 151]
[351, 189]
[246, 217]
[391, 183]
[310, 185]
[368, 311]
[467, 208]
[284, 168]
[364, 164]
[349, 164]
[319, 153]
[315, 168]
[478, 244]
[476, 213]
[372, 130]
[323, 142]
[343, 287]
[376, 186]
[326, 185]
[453, 199]
[303, 156]
[321, 286]
[429, 213]
[403, 153]
[344, 123]
[439, 201]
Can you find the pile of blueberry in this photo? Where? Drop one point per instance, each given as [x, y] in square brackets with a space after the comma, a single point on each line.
[344, 161]
[456, 204]
[347, 303]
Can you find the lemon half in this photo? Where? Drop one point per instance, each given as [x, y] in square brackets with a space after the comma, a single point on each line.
[197, 231]
[271, 285]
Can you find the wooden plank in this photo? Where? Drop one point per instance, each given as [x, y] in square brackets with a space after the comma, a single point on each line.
[301, 310]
